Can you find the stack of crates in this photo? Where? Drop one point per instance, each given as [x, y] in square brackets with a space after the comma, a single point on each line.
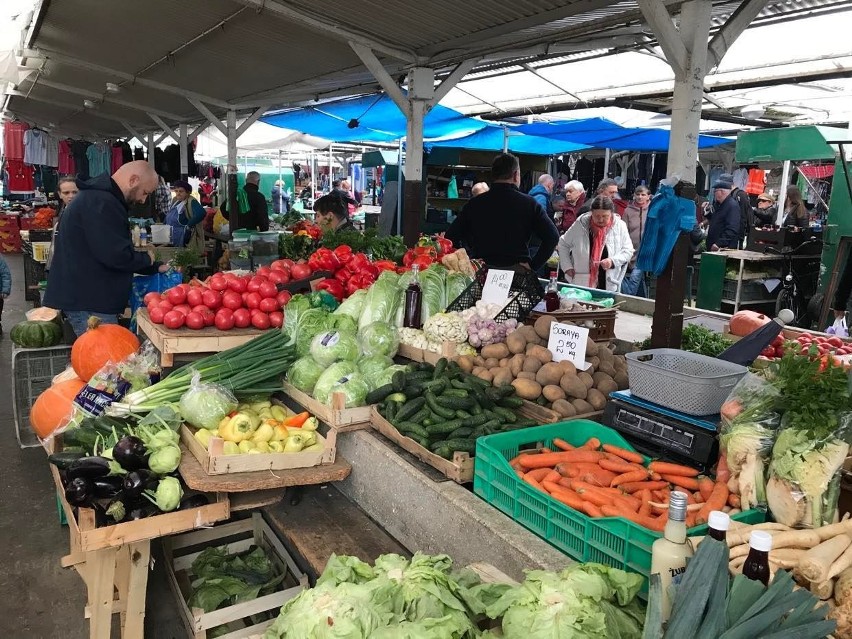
[33, 370]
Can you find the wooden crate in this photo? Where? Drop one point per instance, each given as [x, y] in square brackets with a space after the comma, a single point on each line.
[542, 414]
[183, 341]
[459, 468]
[181, 550]
[215, 462]
[602, 318]
[336, 416]
[448, 350]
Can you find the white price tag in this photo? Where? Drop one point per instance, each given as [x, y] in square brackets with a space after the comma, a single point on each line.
[568, 342]
[498, 283]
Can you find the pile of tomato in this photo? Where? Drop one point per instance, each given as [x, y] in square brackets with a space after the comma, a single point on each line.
[824, 344]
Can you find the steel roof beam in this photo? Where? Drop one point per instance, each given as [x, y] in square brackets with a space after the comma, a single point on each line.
[733, 28]
[381, 75]
[657, 16]
[202, 108]
[461, 70]
[168, 130]
[67, 105]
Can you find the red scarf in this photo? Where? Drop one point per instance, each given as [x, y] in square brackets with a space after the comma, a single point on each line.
[596, 243]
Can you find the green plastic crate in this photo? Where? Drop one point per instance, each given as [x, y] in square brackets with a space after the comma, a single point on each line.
[613, 541]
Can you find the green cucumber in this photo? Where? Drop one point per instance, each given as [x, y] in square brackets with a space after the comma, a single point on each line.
[390, 411]
[464, 445]
[506, 414]
[437, 386]
[460, 433]
[460, 385]
[398, 381]
[455, 392]
[412, 430]
[463, 414]
[455, 402]
[413, 390]
[419, 416]
[410, 408]
[397, 397]
[380, 394]
[522, 423]
[435, 407]
[440, 367]
[444, 427]
[511, 402]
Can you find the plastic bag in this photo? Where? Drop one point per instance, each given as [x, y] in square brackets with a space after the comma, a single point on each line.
[839, 328]
[804, 476]
[144, 284]
[750, 421]
[204, 405]
[576, 294]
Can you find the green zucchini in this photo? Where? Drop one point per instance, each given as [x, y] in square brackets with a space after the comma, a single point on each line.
[410, 408]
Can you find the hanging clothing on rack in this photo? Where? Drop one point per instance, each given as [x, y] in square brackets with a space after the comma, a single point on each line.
[138, 153]
[756, 182]
[13, 139]
[52, 144]
[35, 147]
[116, 157]
[81, 160]
[19, 178]
[740, 178]
[66, 158]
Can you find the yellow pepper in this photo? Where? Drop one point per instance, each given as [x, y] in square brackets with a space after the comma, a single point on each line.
[230, 448]
[203, 435]
[238, 428]
[276, 447]
[309, 438]
[264, 432]
[278, 413]
[280, 433]
[311, 423]
[294, 444]
[314, 447]
[262, 447]
[247, 445]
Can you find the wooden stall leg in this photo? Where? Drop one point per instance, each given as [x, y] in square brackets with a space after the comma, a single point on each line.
[100, 566]
[139, 555]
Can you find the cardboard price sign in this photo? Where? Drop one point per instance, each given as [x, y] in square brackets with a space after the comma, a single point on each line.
[568, 342]
[498, 283]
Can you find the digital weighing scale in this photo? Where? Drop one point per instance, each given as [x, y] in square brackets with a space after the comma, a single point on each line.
[657, 431]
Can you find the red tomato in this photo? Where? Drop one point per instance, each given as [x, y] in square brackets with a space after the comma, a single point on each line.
[200, 308]
[209, 317]
[260, 320]
[212, 299]
[276, 277]
[237, 285]
[176, 295]
[268, 304]
[264, 271]
[195, 297]
[224, 322]
[285, 263]
[165, 306]
[218, 283]
[778, 341]
[230, 276]
[835, 341]
[300, 271]
[254, 284]
[195, 321]
[151, 299]
[242, 318]
[779, 351]
[232, 300]
[253, 300]
[283, 297]
[276, 319]
[268, 289]
[769, 352]
[156, 314]
[227, 312]
[183, 309]
[173, 319]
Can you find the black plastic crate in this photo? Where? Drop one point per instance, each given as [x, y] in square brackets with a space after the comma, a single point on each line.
[751, 291]
[34, 272]
[40, 235]
[525, 293]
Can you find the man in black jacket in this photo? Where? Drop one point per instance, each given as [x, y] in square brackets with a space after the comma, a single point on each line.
[724, 231]
[94, 260]
[256, 218]
[496, 226]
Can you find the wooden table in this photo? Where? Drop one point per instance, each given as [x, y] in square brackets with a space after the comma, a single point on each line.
[195, 477]
[184, 341]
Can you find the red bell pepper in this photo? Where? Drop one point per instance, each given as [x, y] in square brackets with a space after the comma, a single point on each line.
[342, 275]
[332, 286]
[385, 265]
[423, 262]
[358, 261]
[323, 259]
[352, 285]
[444, 245]
[343, 253]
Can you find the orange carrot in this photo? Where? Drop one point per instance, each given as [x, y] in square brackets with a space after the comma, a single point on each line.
[699, 498]
[689, 483]
[599, 477]
[598, 499]
[551, 475]
[636, 486]
[591, 509]
[574, 470]
[723, 474]
[613, 494]
[619, 466]
[545, 449]
[668, 468]
[717, 501]
[549, 460]
[658, 495]
[643, 520]
[561, 443]
[567, 497]
[734, 501]
[514, 461]
[705, 486]
[519, 473]
[593, 443]
[565, 482]
[645, 498]
[691, 518]
[634, 475]
[538, 474]
[625, 454]
[532, 482]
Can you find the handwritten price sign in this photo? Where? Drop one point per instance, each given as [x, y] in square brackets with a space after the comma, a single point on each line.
[498, 283]
[567, 342]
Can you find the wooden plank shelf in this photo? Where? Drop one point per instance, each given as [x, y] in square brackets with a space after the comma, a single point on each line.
[336, 416]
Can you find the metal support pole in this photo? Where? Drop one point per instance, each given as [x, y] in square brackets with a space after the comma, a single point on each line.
[151, 147]
[399, 192]
[280, 184]
[330, 169]
[505, 139]
[606, 163]
[184, 160]
[782, 192]
[415, 197]
[233, 207]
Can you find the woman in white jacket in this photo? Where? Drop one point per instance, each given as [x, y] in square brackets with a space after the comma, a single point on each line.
[596, 250]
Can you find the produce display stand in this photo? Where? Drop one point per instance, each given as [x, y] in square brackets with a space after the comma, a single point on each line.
[183, 341]
[181, 550]
[598, 319]
[113, 560]
[248, 482]
[215, 462]
[336, 416]
[448, 350]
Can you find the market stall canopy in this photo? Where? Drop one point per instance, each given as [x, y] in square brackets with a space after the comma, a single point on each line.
[379, 158]
[259, 138]
[492, 139]
[603, 133]
[795, 143]
[369, 119]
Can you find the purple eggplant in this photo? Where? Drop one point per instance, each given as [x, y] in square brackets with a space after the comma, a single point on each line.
[138, 481]
[89, 468]
[130, 453]
[79, 491]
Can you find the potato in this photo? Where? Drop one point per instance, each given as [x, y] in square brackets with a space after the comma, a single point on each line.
[503, 363]
[502, 376]
[548, 374]
[526, 375]
[573, 386]
[497, 351]
[608, 368]
[528, 332]
[492, 362]
[465, 363]
[476, 370]
[516, 342]
[568, 367]
[552, 393]
[540, 341]
[485, 374]
[479, 361]
[531, 365]
[542, 325]
[605, 355]
[620, 363]
[516, 364]
[607, 386]
[600, 377]
[596, 398]
[594, 362]
[621, 379]
[564, 408]
[527, 389]
[540, 353]
[592, 347]
[582, 406]
[586, 379]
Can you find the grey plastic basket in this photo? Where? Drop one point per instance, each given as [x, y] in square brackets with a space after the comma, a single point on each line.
[682, 381]
[33, 370]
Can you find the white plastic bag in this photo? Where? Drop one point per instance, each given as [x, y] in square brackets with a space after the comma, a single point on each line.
[839, 328]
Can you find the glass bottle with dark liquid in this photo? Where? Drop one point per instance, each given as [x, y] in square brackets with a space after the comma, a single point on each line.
[413, 301]
[551, 295]
[718, 524]
[756, 566]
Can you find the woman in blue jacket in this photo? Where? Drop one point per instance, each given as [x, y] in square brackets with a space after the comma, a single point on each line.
[185, 214]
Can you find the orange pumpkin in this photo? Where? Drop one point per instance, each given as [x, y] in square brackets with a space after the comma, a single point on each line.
[53, 407]
[100, 344]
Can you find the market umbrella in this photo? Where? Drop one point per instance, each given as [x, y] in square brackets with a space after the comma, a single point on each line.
[745, 351]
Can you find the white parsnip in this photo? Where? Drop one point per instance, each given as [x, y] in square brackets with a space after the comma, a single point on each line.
[816, 562]
[822, 589]
[786, 539]
[843, 588]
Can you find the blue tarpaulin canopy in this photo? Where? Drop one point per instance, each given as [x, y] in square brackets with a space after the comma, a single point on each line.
[491, 139]
[603, 133]
[380, 120]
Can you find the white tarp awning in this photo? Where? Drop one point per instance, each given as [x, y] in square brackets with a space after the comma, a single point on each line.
[259, 139]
